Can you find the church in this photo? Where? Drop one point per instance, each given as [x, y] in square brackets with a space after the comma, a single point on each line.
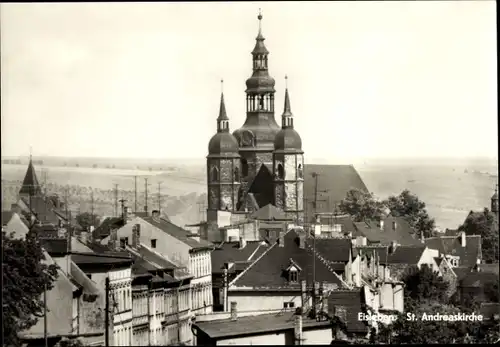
[262, 162]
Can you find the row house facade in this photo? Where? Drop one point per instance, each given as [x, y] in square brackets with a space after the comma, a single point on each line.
[176, 245]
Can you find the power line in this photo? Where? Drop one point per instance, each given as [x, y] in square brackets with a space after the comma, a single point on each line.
[146, 192]
[159, 197]
[116, 199]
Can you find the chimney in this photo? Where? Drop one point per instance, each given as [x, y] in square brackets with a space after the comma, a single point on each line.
[125, 214]
[281, 239]
[463, 239]
[155, 214]
[243, 242]
[302, 241]
[393, 225]
[136, 236]
[298, 329]
[303, 294]
[381, 224]
[234, 312]
[393, 247]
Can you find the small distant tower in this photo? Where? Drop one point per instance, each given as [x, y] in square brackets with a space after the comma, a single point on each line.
[223, 168]
[494, 202]
[30, 187]
[288, 166]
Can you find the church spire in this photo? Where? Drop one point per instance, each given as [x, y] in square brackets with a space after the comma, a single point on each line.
[30, 186]
[494, 201]
[287, 116]
[222, 120]
[260, 51]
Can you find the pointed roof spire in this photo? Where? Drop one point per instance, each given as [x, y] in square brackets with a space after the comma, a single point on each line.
[30, 185]
[260, 48]
[222, 109]
[495, 195]
[287, 112]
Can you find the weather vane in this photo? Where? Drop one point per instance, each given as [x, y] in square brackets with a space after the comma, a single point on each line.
[286, 81]
[222, 85]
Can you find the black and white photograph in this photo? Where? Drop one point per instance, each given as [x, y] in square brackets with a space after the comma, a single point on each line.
[249, 173]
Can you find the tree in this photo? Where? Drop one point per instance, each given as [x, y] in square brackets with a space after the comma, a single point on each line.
[24, 279]
[408, 205]
[361, 205]
[423, 284]
[86, 219]
[486, 225]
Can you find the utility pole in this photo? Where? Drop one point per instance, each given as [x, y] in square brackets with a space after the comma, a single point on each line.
[92, 207]
[106, 316]
[146, 192]
[159, 197]
[116, 199]
[135, 194]
[45, 335]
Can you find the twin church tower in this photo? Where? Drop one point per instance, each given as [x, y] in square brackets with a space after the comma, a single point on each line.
[261, 163]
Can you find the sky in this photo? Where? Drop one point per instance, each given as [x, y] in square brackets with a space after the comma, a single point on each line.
[366, 79]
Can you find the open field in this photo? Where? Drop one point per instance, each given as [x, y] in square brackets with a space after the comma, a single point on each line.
[449, 190]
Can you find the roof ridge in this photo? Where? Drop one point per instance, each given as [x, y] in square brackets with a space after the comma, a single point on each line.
[251, 265]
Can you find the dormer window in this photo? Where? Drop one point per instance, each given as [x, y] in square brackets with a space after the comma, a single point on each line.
[293, 272]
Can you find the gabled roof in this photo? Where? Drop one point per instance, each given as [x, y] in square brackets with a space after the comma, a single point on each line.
[401, 234]
[230, 252]
[337, 180]
[452, 245]
[410, 255]
[269, 270]
[88, 286]
[269, 213]
[44, 209]
[461, 271]
[104, 229]
[177, 232]
[30, 184]
[351, 300]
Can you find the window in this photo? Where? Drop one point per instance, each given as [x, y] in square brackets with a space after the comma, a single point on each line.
[244, 167]
[214, 174]
[293, 276]
[300, 172]
[289, 304]
[280, 171]
[236, 175]
[153, 243]
[123, 242]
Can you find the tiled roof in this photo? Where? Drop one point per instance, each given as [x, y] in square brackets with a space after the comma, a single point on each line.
[489, 309]
[405, 255]
[381, 251]
[44, 209]
[152, 258]
[104, 229]
[478, 279]
[55, 246]
[402, 234]
[177, 232]
[93, 258]
[59, 304]
[351, 300]
[451, 245]
[461, 271]
[30, 183]
[269, 212]
[79, 246]
[493, 268]
[263, 324]
[230, 252]
[268, 271]
[337, 180]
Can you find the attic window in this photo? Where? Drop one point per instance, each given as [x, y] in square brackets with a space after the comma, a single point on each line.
[153, 243]
[290, 304]
[293, 275]
[123, 242]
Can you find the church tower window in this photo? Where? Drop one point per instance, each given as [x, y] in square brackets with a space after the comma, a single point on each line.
[244, 167]
[236, 174]
[300, 172]
[214, 174]
[281, 171]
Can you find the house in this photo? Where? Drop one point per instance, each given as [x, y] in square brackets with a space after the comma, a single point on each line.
[274, 279]
[114, 270]
[461, 250]
[177, 246]
[477, 285]
[229, 259]
[385, 231]
[286, 328]
[168, 312]
[347, 305]
[333, 225]
[70, 309]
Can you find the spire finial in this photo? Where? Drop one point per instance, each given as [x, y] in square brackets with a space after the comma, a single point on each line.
[286, 81]
[222, 86]
[259, 17]
[31, 153]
